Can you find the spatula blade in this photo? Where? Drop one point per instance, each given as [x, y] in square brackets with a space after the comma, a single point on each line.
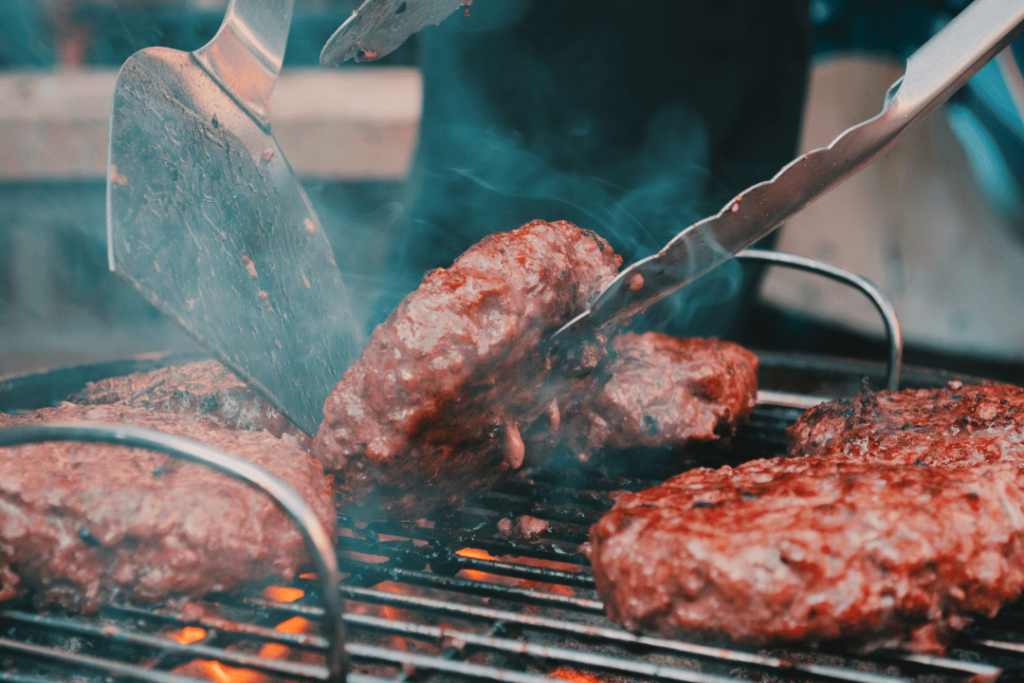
[208, 221]
[378, 27]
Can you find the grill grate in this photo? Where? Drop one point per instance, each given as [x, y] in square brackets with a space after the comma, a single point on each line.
[509, 610]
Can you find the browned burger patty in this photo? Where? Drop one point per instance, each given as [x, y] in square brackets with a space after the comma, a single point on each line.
[952, 427]
[664, 391]
[808, 550]
[204, 388]
[434, 407]
[83, 523]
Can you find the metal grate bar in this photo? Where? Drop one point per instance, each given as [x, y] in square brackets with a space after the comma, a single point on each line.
[228, 626]
[555, 654]
[513, 507]
[498, 591]
[979, 672]
[81, 662]
[167, 646]
[476, 672]
[555, 495]
[549, 552]
[22, 678]
[522, 571]
[565, 533]
[610, 635]
[1003, 646]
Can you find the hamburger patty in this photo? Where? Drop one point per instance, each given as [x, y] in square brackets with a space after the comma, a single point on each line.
[664, 391]
[435, 407]
[957, 426]
[204, 388]
[808, 550]
[83, 523]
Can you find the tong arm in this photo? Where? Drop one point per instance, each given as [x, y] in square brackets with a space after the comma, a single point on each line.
[933, 73]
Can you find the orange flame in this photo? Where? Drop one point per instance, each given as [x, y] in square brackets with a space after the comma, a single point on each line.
[283, 593]
[220, 673]
[477, 575]
[389, 612]
[277, 650]
[189, 634]
[476, 554]
[567, 674]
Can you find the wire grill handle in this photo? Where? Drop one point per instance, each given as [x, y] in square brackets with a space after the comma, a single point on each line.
[870, 289]
[320, 546]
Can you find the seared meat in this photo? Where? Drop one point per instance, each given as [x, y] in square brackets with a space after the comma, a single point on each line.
[664, 391]
[435, 406]
[83, 523]
[808, 550]
[952, 427]
[204, 388]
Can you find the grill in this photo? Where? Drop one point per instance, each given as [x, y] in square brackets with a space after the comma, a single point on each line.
[419, 606]
[453, 598]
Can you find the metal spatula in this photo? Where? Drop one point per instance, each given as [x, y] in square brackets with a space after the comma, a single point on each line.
[208, 221]
[380, 26]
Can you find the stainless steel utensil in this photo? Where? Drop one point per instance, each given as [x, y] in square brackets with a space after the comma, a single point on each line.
[208, 221]
[933, 73]
[380, 26]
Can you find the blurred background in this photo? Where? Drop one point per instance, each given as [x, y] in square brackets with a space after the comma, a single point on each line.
[632, 123]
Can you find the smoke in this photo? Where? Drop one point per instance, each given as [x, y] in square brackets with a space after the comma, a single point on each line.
[511, 133]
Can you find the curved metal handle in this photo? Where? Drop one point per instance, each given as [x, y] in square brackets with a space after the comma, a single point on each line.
[246, 54]
[320, 546]
[870, 289]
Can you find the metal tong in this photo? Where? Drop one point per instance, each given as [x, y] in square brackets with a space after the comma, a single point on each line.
[936, 70]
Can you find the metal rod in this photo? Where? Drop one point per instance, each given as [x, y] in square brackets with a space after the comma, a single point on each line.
[878, 298]
[557, 654]
[169, 646]
[498, 591]
[544, 574]
[614, 635]
[978, 671]
[474, 672]
[321, 547]
[83, 662]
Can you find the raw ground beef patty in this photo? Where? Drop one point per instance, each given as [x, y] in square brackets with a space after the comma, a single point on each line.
[435, 407]
[83, 523]
[204, 388]
[664, 391]
[807, 550]
[957, 426]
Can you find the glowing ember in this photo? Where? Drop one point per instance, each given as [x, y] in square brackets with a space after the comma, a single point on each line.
[277, 650]
[476, 575]
[393, 614]
[567, 674]
[293, 625]
[220, 673]
[476, 554]
[189, 634]
[282, 593]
